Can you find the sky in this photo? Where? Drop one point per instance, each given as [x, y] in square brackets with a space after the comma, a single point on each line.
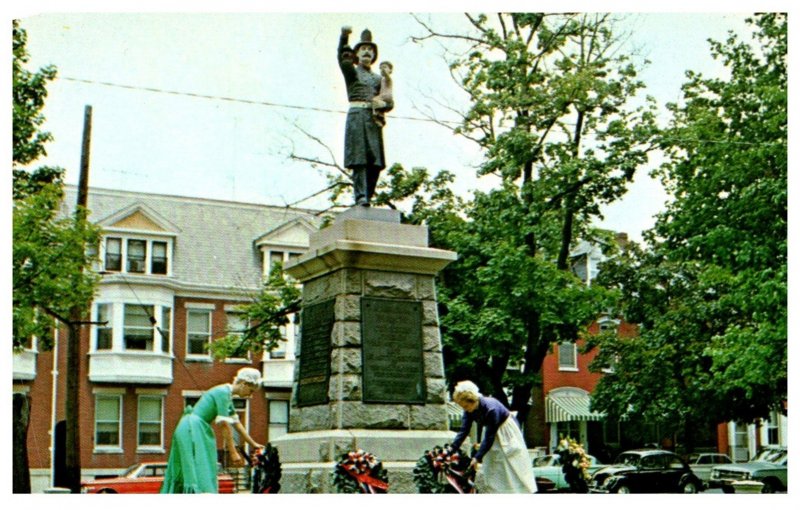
[212, 104]
[194, 109]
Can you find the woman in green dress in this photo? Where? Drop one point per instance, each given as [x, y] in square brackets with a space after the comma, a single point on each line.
[192, 465]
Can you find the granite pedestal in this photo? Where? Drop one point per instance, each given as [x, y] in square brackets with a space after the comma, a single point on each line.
[373, 376]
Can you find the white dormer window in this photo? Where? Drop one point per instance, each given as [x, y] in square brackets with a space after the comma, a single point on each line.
[137, 254]
[140, 255]
[113, 254]
[158, 262]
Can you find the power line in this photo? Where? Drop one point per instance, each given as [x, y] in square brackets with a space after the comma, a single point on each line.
[328, 110]
[234, 99]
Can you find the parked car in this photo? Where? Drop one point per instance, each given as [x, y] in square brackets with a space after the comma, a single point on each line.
[549, 467]
[769, 467]
[143, 478]
[646, 471]
[702, 464]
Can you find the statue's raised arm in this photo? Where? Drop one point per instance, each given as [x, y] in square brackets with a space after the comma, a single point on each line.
[369, 96]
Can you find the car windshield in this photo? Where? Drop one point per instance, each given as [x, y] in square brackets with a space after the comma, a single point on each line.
[131, 470]
[774, 456]
[542, 461]
[631, 459]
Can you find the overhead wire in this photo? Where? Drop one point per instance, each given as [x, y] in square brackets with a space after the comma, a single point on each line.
[331, 110]
[234, 99]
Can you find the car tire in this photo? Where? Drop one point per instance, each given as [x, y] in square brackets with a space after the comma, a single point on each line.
[770, 486]
[106, 491]
[623, 489]
[690, 488]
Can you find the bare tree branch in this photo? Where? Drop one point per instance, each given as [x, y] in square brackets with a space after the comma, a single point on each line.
[432, 33]
[332, 186]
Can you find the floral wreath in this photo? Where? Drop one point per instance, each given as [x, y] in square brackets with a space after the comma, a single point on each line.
[441, 470]
[359, 472]
[266, 467]
[575, 464]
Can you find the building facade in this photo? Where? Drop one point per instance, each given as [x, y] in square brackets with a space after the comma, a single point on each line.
[567, 385]
[174, 272]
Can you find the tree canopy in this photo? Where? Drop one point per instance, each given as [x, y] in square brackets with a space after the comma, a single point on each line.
[552, 105]
[49, 250]
[709, 290]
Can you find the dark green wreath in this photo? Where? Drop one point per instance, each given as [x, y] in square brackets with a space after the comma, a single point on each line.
[359, 472]
[430, 473]
[266, 470]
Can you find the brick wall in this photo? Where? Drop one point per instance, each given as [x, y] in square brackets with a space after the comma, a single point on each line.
[187, 375]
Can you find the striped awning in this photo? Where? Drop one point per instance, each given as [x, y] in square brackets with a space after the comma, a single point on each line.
[569, 408]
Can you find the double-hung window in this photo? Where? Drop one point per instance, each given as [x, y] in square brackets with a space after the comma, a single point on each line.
[278, 418]
[108, 421]
[568, 357]
[105, 332]
[113, 254]
[237, 326]
[138, 330]
[158, 261]
[137, 253]
[150, 422]
[198, 332]
[164, 328]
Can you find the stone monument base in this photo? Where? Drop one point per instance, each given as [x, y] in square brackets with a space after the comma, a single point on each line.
[309, 458]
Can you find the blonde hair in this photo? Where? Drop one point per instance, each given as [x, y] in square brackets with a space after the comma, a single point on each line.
[466, 390]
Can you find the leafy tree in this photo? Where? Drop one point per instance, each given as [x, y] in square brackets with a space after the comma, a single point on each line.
[551, 105]
[709, 291]
[49, 250]
[263, 316]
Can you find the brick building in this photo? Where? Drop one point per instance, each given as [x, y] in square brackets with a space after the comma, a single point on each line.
[173, 271]
[567, 385]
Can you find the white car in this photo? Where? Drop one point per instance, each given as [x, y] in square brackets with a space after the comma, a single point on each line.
[769, 467]
[702, 463]
[550, 467]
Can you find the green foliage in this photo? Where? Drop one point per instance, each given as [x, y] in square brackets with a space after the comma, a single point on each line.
[710, 290]
[29, 93]
[432, 468]
[551, 104]
[50, 251]
[372, 476]
[265, 315]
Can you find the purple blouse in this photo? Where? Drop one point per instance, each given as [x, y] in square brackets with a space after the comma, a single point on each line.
[490, 413]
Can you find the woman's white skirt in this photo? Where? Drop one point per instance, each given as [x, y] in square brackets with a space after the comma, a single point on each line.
[506, 467]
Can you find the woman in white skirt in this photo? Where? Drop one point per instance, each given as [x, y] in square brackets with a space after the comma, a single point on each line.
[504, 466]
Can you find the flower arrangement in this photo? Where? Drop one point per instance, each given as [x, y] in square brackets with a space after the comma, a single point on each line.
[441, 470]
[266, 470]
[359, 472]
[574, 464]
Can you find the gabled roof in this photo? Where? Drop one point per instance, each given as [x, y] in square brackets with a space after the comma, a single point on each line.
[214, 239]
[293, 233]
[138, 216]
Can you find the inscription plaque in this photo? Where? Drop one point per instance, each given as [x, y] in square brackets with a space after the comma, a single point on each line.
[315, 354]
[392, 362]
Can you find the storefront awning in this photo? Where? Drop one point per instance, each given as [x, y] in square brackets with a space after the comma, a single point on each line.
[569, 408]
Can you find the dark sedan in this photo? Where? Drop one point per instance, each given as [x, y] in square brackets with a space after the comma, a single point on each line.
[646, 471]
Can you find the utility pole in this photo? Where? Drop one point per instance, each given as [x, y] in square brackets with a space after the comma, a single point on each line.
[72, 404]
